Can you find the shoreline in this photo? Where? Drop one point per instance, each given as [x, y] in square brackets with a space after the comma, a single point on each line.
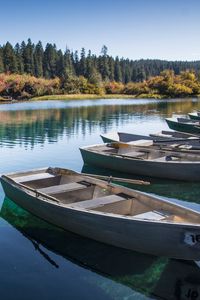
[90, 97]
[83, 97]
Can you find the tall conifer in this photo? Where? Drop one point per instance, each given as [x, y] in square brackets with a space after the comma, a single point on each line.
[38, 59]
[9, 58]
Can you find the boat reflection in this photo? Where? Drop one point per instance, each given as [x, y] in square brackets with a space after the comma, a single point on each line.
[155, 277]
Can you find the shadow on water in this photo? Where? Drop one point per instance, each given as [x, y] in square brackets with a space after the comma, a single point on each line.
[150, 276]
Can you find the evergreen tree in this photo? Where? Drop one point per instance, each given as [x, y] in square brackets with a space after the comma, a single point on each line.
[76, 62]
[19, 59]
[38, 60]
[1, 61]
[9, 58]
[82, 70]
[111, 64]
[31, 59]
[117, 71]
[28, 59]
[103, 64]
[60, 64]
[50, 61]
[68, 63]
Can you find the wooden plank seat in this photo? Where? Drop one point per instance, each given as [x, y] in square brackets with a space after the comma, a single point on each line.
[68, 187]
[89, 204]
[33, 177]
[133, 153]
[141, 142]
[152, 215]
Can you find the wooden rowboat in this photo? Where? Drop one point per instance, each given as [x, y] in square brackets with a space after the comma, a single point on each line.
[143, 160]
[106, 212]
[123, 137]
[163, 138]
[184, 125]
[169, 134]
[105, 260]
[194, 116]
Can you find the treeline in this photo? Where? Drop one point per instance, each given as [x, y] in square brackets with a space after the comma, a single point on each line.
[167, 84]
[50, 62]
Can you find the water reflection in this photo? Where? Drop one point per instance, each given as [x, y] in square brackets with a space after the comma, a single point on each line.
[40, 122]
[39, 259]
[155, 277]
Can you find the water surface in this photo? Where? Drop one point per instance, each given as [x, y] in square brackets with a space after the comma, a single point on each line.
[41, 261]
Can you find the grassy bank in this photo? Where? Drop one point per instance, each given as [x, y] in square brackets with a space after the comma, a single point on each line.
[92, 96]
[82, 97]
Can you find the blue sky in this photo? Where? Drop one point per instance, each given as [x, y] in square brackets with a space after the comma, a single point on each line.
[164, 29]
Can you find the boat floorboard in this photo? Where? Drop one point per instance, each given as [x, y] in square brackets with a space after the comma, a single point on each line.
[152, 215]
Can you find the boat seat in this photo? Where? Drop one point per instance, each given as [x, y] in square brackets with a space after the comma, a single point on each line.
[152, 215]
[134, 154]
[32, 177]
[141, 143]
[68, 187]
[93, 203]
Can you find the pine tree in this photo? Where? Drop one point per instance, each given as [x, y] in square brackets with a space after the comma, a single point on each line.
[76, 62]
[9, 58]
[111, 64]
[82, 70]
[68, 63]
[1, 60]
[117, 71]
[38, 60]
[103, 64]
[28, 59]
[60, 64]
[19, 59]
[50, 61]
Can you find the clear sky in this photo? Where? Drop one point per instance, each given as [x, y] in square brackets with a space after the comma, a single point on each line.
[164, 29]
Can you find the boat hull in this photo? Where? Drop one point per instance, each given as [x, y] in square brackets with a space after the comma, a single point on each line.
[175, 137]
[142, 236]
[183, 127]
[194, 117]
[124, 137]
[172, 170]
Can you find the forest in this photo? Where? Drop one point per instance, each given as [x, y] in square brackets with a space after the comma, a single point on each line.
[30, 70]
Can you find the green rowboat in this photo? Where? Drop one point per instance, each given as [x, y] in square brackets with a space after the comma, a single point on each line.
[184, 125]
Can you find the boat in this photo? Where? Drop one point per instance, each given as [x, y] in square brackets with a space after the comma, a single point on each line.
[170, 278]
[169, 134]
[194, 116]
[161, 138]
[123, 137]
[106, 212]
[184, 125]
[143, 160]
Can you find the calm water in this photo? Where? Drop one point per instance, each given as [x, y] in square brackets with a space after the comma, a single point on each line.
[39, 261]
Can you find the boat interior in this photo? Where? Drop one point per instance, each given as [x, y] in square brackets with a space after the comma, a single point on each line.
[128, 137]
[173, 134]
[188, 121]
[140, 150]
[165, 138]
[82, 192]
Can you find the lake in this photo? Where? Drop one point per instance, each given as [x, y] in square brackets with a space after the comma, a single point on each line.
[40, 261]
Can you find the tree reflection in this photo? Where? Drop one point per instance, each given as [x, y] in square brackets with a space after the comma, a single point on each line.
[30, 127]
